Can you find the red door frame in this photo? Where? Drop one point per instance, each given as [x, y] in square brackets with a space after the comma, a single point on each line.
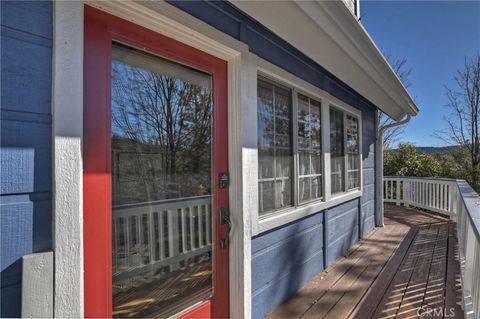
[100, 30]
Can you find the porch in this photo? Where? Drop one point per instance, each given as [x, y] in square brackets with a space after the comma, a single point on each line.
[412, 263]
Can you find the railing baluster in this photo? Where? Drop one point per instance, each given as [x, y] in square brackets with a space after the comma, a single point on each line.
[161, 235]
[208, 222]
[184, 230]
[397, 195]
[442, 197]
[138, 219]
[192, 228]
[151, 238]
[200, 225]
[115, 243]
[391, 189]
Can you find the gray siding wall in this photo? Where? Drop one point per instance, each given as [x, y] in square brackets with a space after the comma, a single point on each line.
[286, 258]
[26, 135]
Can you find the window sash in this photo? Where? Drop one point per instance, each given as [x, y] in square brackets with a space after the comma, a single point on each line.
[275, 175]
[345, 151]
[308, 149]
[300, 183]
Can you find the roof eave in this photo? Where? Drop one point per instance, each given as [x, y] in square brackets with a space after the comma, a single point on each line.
[352, 56]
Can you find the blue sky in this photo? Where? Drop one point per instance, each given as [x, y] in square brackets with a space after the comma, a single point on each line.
[435, 37]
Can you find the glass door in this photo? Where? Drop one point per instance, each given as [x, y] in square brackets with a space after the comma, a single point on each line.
[155, 144]
[161, 185]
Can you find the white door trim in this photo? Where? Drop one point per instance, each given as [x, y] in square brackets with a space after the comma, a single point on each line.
[67, 122]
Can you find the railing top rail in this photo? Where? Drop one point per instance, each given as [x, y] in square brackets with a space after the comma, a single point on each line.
[452, 180]
[162, 202]
[471, 200]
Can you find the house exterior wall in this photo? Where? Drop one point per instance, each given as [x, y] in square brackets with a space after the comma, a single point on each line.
[26, 138]
[26, 141]
[286, 258]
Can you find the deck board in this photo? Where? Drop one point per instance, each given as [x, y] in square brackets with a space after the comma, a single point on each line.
[410, 263]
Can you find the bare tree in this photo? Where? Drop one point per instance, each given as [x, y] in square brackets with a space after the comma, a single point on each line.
[463, 120]
[399, 65]
[167, 122]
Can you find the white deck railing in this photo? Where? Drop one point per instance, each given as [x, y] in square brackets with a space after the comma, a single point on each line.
[458, 200]
[160, 235]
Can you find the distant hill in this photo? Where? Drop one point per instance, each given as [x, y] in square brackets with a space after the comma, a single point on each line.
[437, 150]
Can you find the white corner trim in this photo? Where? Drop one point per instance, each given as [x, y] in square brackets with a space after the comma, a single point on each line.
[242, 195]
[379, 212]
[37, 285]
[67, 110]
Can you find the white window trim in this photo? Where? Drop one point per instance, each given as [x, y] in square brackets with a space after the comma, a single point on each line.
[286, 215]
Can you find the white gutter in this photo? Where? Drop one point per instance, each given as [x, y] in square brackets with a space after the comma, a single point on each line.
[379, 163]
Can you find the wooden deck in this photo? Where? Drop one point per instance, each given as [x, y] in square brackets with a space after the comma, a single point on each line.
[410, 264]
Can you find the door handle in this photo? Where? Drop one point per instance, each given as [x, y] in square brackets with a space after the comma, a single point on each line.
[225, 219]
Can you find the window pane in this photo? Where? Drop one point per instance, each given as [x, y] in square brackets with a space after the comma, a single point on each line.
[353, 154]
[304, 193]
[337, 154]
[161, 185]
[309, 149]
[275, 160]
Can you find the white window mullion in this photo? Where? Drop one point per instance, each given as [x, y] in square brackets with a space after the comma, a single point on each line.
[345, 155]
[325, 122]
[275, 195]
[295, 147]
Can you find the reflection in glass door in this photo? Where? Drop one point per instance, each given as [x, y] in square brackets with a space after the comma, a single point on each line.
[161, 185]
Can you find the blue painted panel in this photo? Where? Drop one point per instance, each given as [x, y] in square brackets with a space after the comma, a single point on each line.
[26, 141]
[285, 257]
[341, 224]
[26, 76]
[284, 260]
[369, 157]
[16, 169]
[25, 138]
[342, 208]
[267, 299]
[343, 92]
[368, 225]
[28, 16]
[16, 231]
[11, 298]
[368, 193]
[283, 233]
[342, 244]
[368, 176]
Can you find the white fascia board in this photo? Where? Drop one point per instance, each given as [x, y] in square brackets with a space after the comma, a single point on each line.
[330, 35]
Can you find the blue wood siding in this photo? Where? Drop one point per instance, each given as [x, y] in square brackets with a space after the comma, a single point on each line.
[26, 141]
[283, 261]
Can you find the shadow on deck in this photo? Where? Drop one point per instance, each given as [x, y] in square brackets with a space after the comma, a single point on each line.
[407, 269]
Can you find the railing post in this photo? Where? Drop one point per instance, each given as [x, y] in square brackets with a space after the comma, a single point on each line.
[406, 193]
[397, 190]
